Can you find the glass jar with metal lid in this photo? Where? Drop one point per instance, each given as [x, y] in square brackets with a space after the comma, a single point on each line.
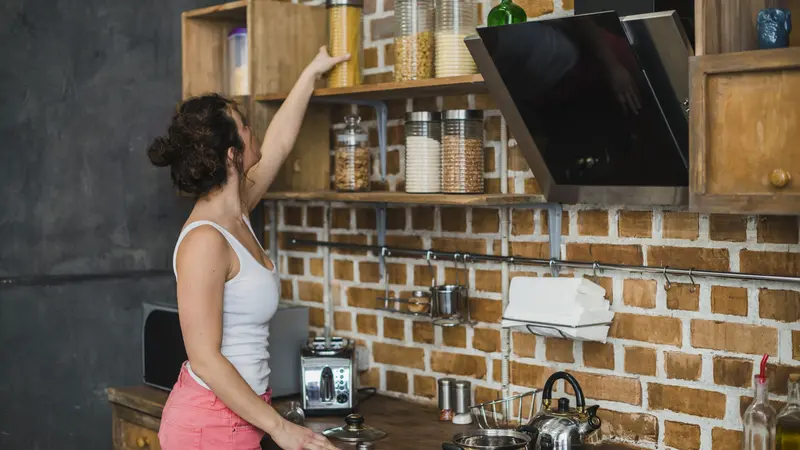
[345, 35]
[352, 158]
[455, 20]
[462, 151]
[413, 39]
[423, 152]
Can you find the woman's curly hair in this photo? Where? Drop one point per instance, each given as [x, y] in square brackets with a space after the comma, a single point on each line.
[197, 142]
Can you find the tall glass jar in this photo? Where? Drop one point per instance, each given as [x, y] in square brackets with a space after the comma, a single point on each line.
[423, 152]
[352, 158]
[237, 62]
[413, 40]
[455, 20]
[462, 151]
[345, 35]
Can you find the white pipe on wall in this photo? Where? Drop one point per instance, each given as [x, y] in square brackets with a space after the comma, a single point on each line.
[505, 223]
[327, 301]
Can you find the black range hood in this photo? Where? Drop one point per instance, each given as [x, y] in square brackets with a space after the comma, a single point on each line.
[596, 103]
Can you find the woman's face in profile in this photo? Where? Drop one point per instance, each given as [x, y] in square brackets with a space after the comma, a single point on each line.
[252, 149]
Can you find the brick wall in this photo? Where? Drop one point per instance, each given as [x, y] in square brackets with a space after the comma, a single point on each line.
[677, 369]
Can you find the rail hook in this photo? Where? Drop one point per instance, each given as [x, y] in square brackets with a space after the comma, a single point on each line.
[553, 268]
[596, 268]
[667, 283]
[430, 267]
[692, 289]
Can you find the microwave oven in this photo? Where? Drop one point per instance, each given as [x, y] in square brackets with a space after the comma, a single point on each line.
[163, 352]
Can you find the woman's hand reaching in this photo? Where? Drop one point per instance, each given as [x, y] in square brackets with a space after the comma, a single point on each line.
[294, 437]
[324, 62]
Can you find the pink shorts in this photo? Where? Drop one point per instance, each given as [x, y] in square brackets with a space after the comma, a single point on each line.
[194, 419]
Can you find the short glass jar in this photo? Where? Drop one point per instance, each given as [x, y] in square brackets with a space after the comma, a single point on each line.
[462, 151]
[455, 20]
[352, 159]
[414, 40]
[345, 36]
[423, 152]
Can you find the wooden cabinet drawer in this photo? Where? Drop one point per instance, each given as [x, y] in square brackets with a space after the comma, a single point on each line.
[745, 120]
[134, 430]
[136, 437]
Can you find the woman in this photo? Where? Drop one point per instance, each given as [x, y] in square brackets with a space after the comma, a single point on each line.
[227, 287]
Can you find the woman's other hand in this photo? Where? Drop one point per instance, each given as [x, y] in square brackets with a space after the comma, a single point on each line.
[324, 62]
[294, 437]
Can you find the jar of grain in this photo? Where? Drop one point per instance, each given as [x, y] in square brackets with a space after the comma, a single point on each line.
[455, 20]
[413, 40]
[352, 157]
[237, 62]
[345, 35]
[462, 151]
[423, 152]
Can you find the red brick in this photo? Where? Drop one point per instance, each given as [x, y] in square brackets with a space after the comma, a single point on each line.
[795, 344]
[454, 219]
[315, 216]
[396, 382]
[371, 378]
[403, 241]
[316, 268]
[395, 218]
[527, 374]
[422, 332]
[771, 263]
[293, 216]
[655, 329]
[285, 238]
[342, 321]
[635, 427]
[593, 223]
[370, 272]
[484, 310]
[367, 324]
[422, 217]
[364, 297]
[734, 337]
[458, 245]
[382, 28]
[683, 366]
[295, 266]
[640, 360]
[484, 394]
[524, 344]
[308, 291]
[777, 229]
[598, 355]
[343, 270]
[609, 387]
[457, 364]
[682, 436]
[536, 8]
[340, 218]
[348, 239]
[722, 439]
[486, 340]
[544, 219]
[365, 219]
[679, 399]
[680, 225]
[488, 280]
[398, 355]
[779, 305]
[729, 300]
[559, 350]
[618, 254]
[539, 250]
[689, 257]
[522, 222]
[286, 289]
[635, 224]
[454, 336]
[680, 296]
[779, 376]
[727, 227]
[485, 220]
[394, 328]
[733, 371]
[316, 317]
[641, 293]
[425, 386]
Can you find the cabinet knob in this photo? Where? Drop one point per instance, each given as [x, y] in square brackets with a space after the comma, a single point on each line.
[142, 442]
[779, 178]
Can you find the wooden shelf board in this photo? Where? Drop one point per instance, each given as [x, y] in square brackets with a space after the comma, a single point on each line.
[470, 84]
[405, 198]
[227, 11]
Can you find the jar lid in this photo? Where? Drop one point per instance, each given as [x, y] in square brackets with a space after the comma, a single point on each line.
[462, 385]
[462, 114]
[423, 116]
[358, 3]
[354, 431]
[237, 31]
[352, 133]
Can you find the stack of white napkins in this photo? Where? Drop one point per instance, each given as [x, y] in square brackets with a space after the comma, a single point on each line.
[572, 308]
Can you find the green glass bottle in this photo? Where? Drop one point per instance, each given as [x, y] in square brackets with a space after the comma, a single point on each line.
[506, 13]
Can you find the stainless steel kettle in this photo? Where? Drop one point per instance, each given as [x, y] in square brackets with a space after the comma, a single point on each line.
[559, 426]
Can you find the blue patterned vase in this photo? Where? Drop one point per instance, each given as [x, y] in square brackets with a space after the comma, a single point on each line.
[774, 26]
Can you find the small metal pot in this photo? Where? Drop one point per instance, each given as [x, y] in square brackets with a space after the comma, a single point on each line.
[450, 304]
[489, 440]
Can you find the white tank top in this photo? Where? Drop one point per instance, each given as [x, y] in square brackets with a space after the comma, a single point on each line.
[249, 302]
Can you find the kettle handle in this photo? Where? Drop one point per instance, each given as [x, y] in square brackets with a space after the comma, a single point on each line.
[547, 392]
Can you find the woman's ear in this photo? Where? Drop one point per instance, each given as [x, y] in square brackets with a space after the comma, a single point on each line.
[231, 154]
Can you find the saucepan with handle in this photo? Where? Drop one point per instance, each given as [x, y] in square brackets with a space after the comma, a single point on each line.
[491, 439]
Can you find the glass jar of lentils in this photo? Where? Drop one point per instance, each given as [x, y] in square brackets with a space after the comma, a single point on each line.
[455, 20]
[423, 152]
[345, 35]
[413, 40]
[352, 160]
[462, 151]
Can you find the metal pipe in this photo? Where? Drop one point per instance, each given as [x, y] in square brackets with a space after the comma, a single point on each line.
[505, 333]
[554, 262]
[327, 302]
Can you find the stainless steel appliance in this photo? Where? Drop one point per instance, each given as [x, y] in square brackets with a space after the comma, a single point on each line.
[561, 427]
[163, 352]
[329, 376]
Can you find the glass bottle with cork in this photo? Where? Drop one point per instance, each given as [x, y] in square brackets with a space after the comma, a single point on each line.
[759, 417]
[788, 422]
[506, 13]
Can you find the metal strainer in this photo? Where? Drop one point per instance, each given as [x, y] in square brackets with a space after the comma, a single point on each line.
[505, 413]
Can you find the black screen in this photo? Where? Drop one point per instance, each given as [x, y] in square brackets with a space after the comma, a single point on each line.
[164, 352]
[578, 86]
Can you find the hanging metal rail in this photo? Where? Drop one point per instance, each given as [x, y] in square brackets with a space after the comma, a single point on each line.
[596, 267]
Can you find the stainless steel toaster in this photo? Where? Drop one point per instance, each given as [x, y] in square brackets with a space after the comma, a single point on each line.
[329, 376]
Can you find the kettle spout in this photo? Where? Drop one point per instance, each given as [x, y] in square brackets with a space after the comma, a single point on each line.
[591, 424]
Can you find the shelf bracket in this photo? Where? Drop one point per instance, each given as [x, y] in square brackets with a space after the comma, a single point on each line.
[380, 223]
[381, 113]
[554, 212]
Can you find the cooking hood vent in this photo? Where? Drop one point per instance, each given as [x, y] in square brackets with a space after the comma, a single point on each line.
[596, 103]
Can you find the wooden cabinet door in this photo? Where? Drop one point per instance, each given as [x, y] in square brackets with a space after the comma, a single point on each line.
[745, 132]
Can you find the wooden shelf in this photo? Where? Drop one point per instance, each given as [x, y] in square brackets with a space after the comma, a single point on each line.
[227, 11]
[405, 198]
[470, 84]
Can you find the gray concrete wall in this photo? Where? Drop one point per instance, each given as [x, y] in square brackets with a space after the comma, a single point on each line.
[84, 86]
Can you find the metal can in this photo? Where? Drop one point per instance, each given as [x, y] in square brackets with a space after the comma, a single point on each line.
[446, 394]
[463, 396]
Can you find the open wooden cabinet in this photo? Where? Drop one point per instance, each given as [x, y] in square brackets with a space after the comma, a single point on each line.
[745, 113]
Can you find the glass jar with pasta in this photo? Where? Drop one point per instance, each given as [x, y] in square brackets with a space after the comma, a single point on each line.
[345, 35]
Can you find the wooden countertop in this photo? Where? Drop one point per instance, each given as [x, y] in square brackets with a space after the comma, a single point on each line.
[409, 426]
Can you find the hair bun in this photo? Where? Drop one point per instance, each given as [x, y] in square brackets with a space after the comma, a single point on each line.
[162, 152]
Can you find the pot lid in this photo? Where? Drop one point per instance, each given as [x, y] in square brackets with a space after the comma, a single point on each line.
[354, 430]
